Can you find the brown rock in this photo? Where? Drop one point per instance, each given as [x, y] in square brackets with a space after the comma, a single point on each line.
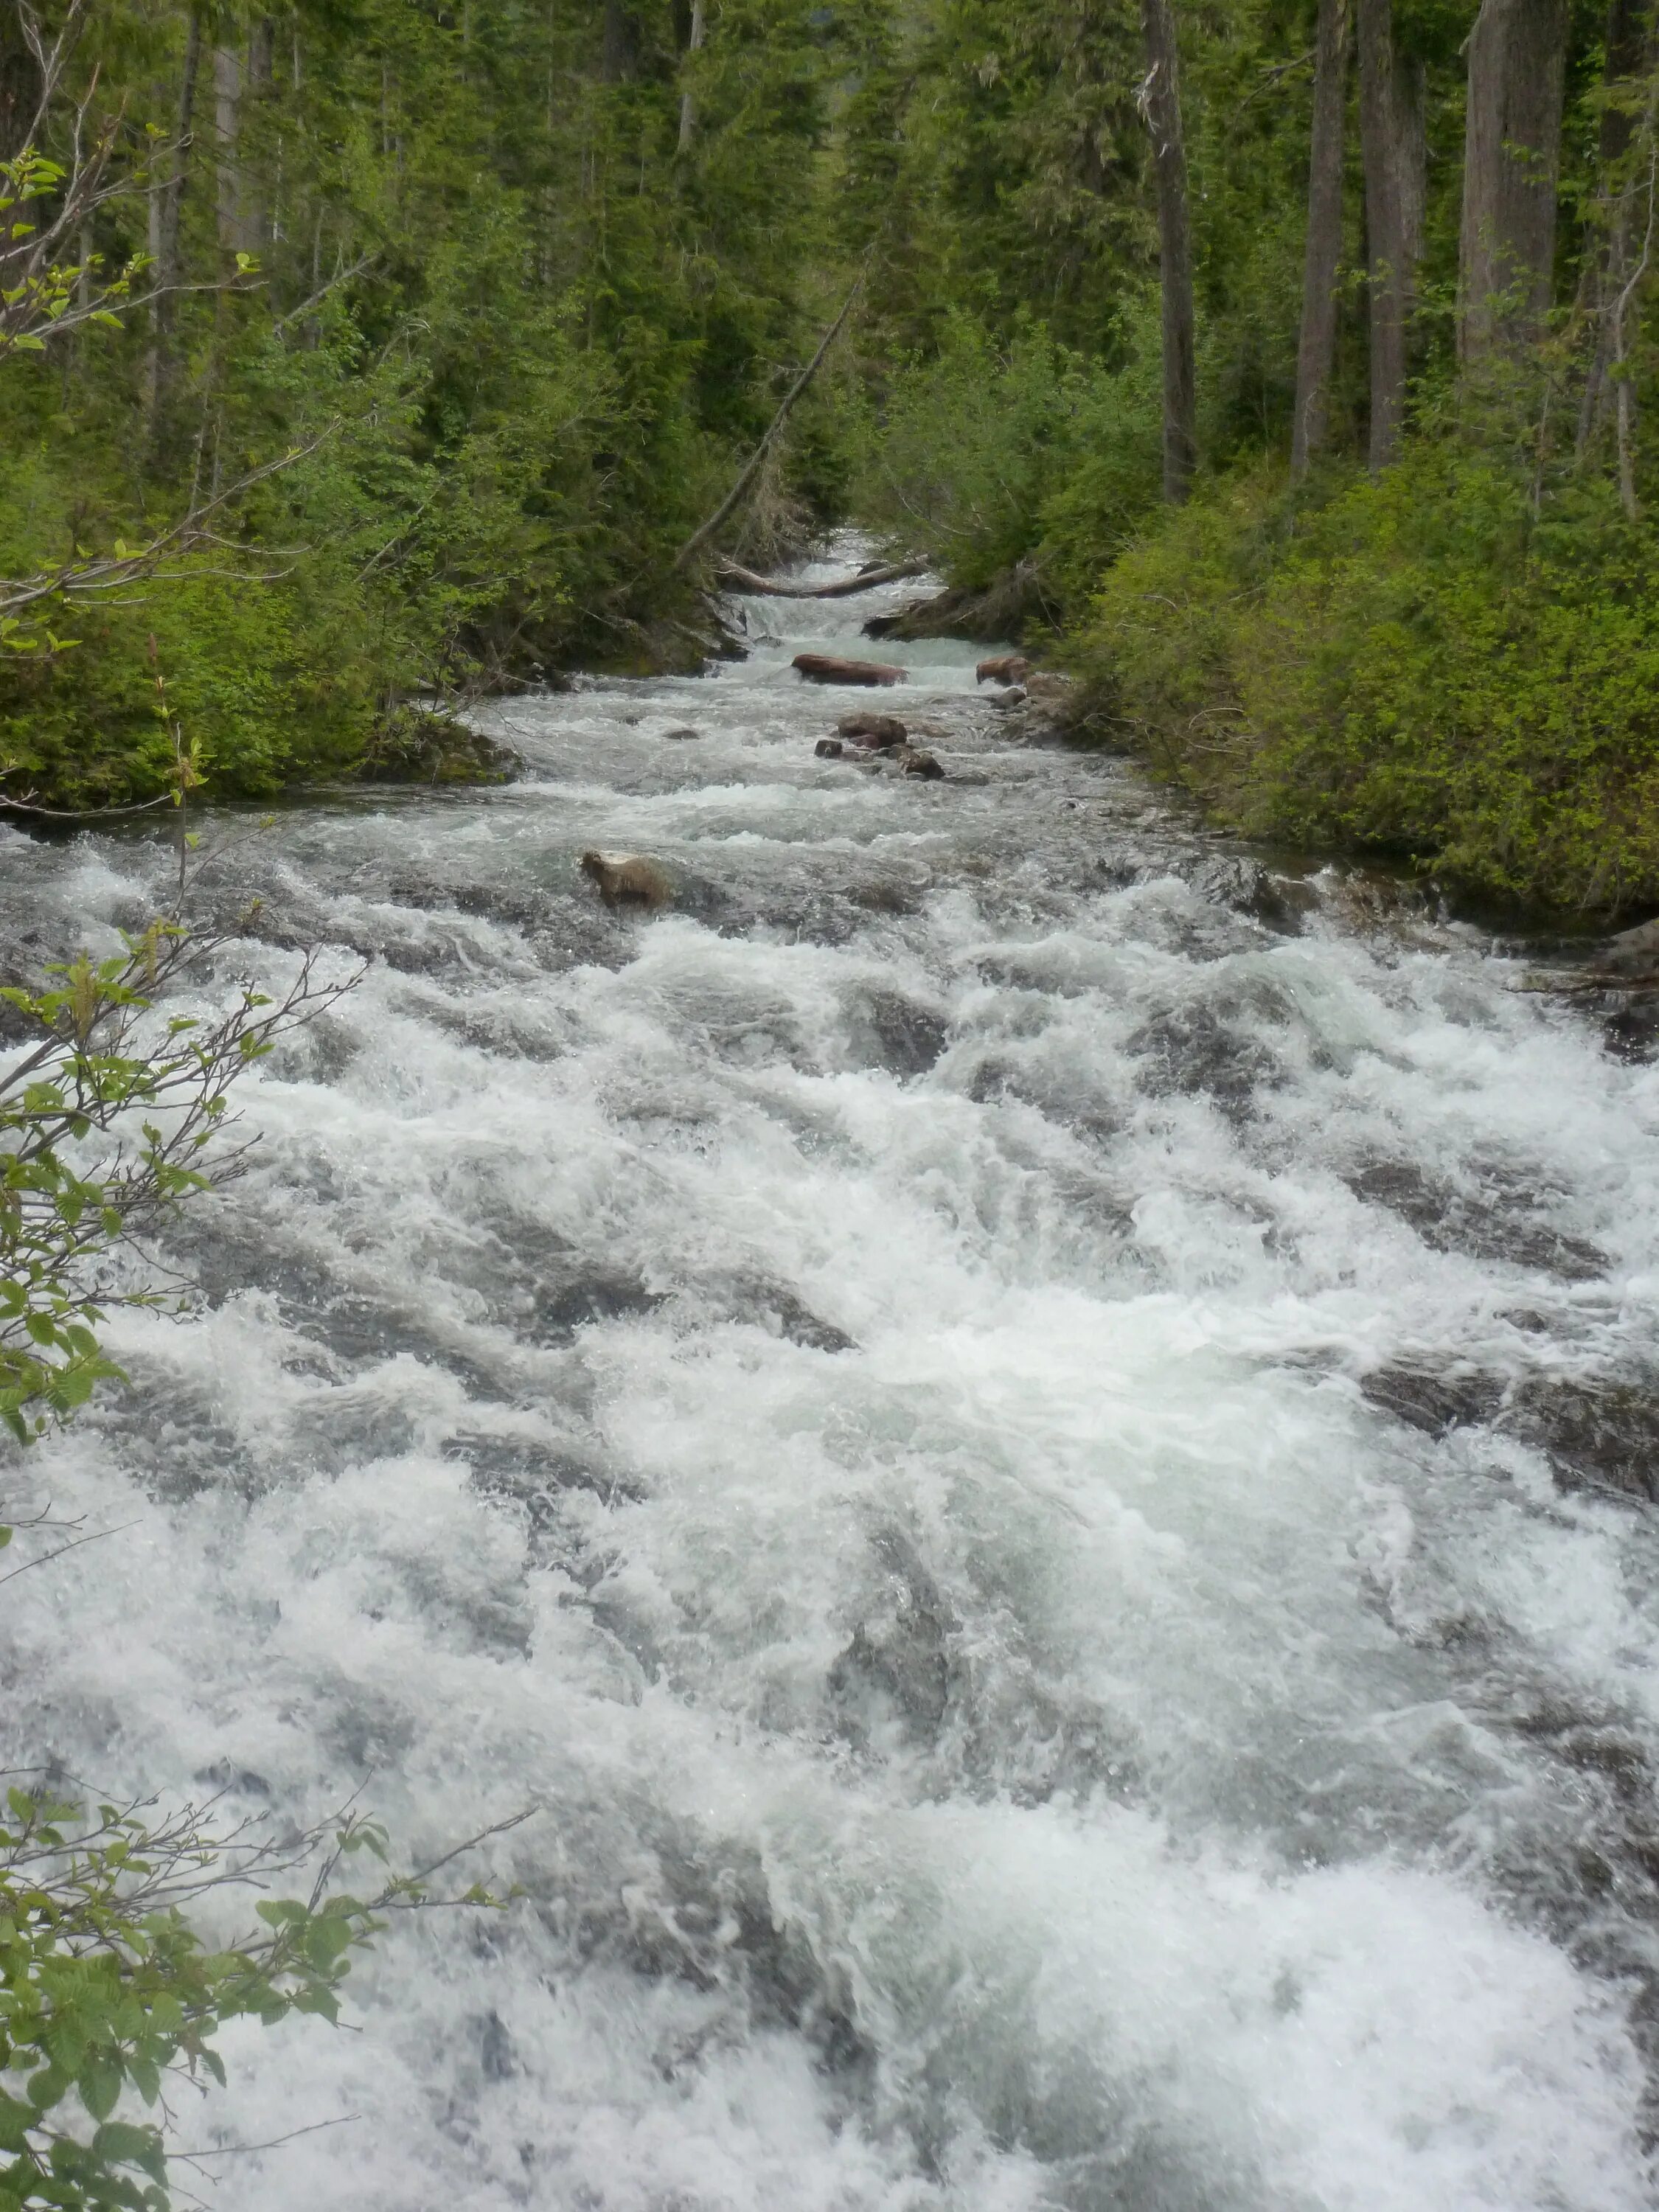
[1003, 668]
[829, 749]
[627, 879]
[827, 668]
[873, 729]
[912, 760]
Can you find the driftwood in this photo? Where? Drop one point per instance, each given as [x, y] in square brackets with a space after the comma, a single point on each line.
[826, 668]
[894, 571]
[729, 505]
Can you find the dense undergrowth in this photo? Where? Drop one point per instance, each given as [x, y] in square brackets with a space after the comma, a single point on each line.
[1415, 664]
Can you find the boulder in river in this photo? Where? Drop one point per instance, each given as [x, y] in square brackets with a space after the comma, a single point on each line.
[829, 749]
[685, 733]
[627, 879]
[911, 760]
[875, 730]
[830, 668]
[1003, 668]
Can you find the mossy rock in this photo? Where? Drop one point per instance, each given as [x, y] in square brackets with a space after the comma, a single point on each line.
[415, 744]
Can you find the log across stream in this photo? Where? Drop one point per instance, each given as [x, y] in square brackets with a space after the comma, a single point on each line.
[1037, 1442]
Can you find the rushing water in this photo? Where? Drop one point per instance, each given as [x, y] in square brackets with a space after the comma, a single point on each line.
[1035, 1444]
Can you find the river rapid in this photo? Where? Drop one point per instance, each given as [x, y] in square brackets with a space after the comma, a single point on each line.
[1036, 1443]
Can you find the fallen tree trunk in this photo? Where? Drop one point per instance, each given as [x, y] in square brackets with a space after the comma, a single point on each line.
[734, 498]
[894, 571]
[828, 668]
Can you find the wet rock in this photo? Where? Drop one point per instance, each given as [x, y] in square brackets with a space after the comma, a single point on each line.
[875, 730]
[627, 879]
[910, 760]
[901, 1034]
[1015, 696]
[830, 668]
[1434, 1400]
[1502, 1220]
[422, 744]
[829, 749]
[1003, 668]
[675, 736]
[1596, 1435]
[1191, 1050]
[896, 1671]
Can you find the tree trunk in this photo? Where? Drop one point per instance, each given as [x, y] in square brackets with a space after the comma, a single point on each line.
[1317, 353]
[166, 205]
[1393, 149]
[1511, 156]
[688, 106]
[1632, 44]
[619, 55]
[227, 122]
[19, 84]
[1160, 105]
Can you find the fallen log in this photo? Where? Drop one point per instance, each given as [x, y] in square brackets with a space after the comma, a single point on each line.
[894, 571]
[826, 668]
[757, 460]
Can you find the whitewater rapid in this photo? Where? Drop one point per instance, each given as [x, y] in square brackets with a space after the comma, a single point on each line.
[1032, 1439]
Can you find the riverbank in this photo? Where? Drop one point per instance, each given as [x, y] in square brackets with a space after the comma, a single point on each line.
[1408, 667]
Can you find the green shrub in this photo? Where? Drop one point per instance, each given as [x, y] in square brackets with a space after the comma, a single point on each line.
[1413, 663]
[988, 456]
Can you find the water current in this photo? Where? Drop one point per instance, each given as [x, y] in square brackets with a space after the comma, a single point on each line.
[1035, 1440]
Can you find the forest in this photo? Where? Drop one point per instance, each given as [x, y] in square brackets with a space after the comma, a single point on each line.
[1292, 361]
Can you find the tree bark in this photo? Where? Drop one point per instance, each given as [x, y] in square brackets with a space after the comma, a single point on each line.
[1160, 105]
[165, 206]
[1393, 149]
[1315, 356]
[1511, 156]
[21, 84]
[688, 106]
[227, 123]
[619, 54]
[1631, 47]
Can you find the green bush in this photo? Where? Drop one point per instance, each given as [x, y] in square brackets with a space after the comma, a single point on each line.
[988, 456]
[1413, 663]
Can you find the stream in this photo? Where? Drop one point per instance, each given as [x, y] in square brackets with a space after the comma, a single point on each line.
[1035, 1436]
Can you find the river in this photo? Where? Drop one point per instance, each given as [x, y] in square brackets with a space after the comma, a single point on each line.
[1034, 1440]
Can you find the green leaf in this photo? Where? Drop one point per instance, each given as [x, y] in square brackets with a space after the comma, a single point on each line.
[99, 2085]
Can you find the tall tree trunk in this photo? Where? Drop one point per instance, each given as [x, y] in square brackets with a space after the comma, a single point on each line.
[1160, 103]
[1511, 157]
[1392, 149]
[1632, 44]
[1316, 354]
[619, 56]
[20, 83]
[165, 206]
[227, 129]
[688, 106]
